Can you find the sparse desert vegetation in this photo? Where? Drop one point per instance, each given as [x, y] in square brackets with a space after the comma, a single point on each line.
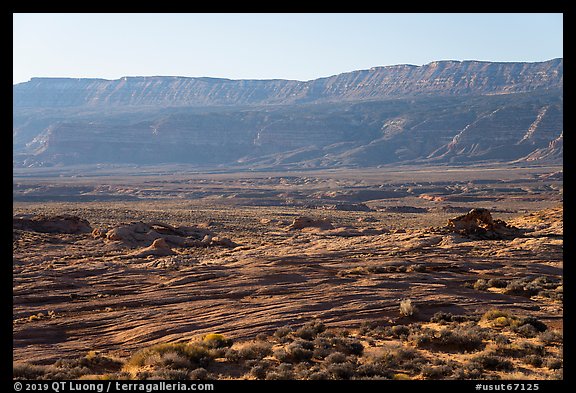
[424, 350]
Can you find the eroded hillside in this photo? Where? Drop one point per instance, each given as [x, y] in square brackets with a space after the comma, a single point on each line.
[443, 112]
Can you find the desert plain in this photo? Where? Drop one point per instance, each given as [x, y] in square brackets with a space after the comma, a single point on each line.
[378, 273]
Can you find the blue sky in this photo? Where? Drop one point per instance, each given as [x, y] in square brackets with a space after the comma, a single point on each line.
[269, 46]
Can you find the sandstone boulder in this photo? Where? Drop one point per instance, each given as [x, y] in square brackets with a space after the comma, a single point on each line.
[479, 224]
[223, 242]
[158, 248]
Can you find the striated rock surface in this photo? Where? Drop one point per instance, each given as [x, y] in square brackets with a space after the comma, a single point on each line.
[103, 303]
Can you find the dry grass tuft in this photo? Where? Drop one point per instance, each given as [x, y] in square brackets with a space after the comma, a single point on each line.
[407, 308]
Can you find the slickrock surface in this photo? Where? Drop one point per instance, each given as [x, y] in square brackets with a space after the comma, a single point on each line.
[75, 292]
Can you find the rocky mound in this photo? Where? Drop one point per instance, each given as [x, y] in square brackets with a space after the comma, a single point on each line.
[141, 234]
[51, 224]
[309, 222]
[158, 248]
[479, 224]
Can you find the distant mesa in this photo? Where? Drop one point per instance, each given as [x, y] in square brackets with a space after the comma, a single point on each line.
[445, 112]
[446, 78]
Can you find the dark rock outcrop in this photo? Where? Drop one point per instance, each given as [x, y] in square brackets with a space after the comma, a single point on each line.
[309, 222]
[442, 112]
[403, 209]
[52, 224]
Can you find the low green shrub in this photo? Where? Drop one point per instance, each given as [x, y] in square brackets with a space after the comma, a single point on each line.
[551, 337]
[336, 357]
[492, 362]
[481, 285]
[310, 330]
[436, 372]
[195, 352]
[534, 360]
[215, 340]
[459, 339]
[27, 371]
[200, 374]
[554, 363]
[400, 331]
[497, 283]
[341, 370]
[283, 333]
[283, 372]
[256, 350]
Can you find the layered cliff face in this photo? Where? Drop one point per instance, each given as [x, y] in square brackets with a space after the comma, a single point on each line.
[445, 111]
[438, 78]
